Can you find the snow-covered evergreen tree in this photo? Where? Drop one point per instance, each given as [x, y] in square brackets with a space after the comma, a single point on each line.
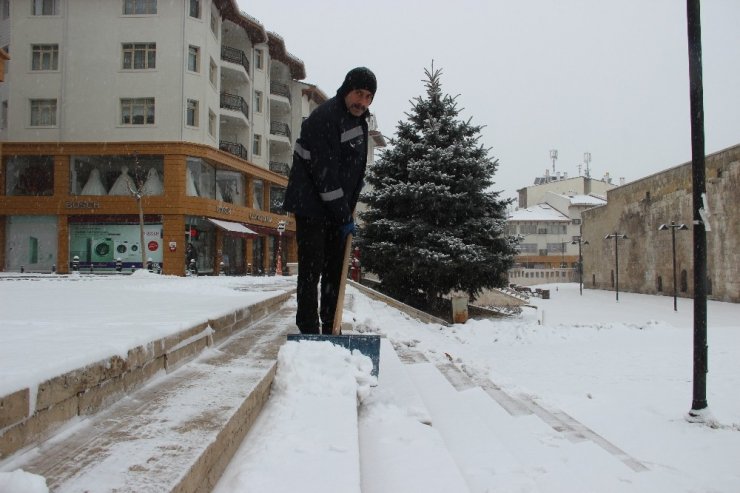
[432, 224]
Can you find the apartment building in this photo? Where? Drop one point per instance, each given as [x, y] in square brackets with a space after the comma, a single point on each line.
[192, 103]
[548, 225]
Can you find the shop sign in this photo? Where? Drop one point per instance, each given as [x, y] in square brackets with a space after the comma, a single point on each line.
[82, 204]
[223, 210]
[261, 217]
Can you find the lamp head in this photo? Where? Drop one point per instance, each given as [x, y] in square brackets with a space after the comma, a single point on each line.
[662, 227]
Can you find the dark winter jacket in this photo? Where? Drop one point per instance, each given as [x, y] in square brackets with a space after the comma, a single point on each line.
[329, 162]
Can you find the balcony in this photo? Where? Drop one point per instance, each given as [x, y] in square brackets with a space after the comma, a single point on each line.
[280, 168]
[233, 55]
[280, 89]
[280, 129]
[235, 103]
[234, 148]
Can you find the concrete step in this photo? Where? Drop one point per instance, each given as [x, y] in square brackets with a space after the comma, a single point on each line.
[486, 464]
[388, 438]
[179, 431]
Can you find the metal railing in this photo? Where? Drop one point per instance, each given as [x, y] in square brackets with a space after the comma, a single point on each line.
[234, 55]
[280, 128]
[280, 89]
[278, 167]
[234, 148]
[234, 102]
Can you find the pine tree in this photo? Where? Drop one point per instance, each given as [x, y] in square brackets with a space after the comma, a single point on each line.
[432, 224]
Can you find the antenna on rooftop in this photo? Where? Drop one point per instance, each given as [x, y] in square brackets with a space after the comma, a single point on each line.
[554, 157]
[587, 160]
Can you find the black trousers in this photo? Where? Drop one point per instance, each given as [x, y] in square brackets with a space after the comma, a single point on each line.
[320, 258]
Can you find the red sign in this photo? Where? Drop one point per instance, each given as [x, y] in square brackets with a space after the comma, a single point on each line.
[153, 246]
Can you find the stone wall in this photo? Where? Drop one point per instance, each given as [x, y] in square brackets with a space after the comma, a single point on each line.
[645, 258]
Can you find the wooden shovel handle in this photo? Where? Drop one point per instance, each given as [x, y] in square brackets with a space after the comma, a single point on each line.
[337, 326]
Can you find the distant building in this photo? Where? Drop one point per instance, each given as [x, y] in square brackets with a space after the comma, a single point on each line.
[558, 183]
[645, 259]
[547, 222]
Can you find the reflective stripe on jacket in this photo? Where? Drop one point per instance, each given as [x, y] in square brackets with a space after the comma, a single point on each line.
[329, 161]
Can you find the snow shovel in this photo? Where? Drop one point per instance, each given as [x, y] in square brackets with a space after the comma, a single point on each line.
[369, 345]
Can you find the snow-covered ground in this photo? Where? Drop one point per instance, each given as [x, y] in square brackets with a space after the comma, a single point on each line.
[623, 370]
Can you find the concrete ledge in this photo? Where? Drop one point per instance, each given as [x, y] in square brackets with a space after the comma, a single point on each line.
[88, 390]
[417, 314]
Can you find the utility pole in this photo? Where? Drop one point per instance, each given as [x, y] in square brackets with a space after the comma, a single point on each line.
[698, 172]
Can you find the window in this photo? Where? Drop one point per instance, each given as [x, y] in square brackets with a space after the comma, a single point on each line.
[257, 145]
[45, 57]
[556, 247]
[30, 175]
[528, 248]
[45, 7]
[576, 221]
[43, 112]
[214, 24]
[139, 56]
[191, 117]
[213, 73]
[4, 114]
[194, 58]
[137, 111]
[111, 175]
[258, 101]
[6, 9]
[212, 123]
[259, 59]
[139, 7]
[195, 8]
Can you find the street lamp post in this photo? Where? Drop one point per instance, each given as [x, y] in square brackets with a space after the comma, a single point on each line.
[580, 242]
[279, 266]
[673, 227]
[616, 237]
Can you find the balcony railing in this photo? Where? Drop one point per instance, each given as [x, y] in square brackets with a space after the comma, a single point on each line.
[280, 128]
[234, 148]
[234, 102]
[280, 89]
[278, 167]
[234, 55]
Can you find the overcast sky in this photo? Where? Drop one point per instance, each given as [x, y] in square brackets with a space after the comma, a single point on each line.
[609, 77]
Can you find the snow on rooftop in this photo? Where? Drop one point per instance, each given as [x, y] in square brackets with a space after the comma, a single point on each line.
[580, 199]
[539, 212]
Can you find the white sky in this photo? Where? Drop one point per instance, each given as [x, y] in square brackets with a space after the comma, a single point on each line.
[607, 77]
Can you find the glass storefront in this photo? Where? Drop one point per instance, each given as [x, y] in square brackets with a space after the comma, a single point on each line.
[116, 175]
[201, 179]
[29, 175]
[200, 243]
[31, 243]
[230, 187]
[99, 242]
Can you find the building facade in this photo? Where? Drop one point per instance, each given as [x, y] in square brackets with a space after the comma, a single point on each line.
[190, 103]
[645, 257]
[548, 226]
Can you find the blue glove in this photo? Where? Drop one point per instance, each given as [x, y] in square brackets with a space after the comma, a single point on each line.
[348, 228]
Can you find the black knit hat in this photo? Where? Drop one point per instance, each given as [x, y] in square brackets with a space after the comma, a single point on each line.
[358, 78]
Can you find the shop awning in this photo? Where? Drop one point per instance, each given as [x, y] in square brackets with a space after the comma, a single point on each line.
[232, 227]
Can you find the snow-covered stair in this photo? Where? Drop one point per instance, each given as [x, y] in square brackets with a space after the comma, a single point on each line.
[395, 424]
[486, 464]
[508, 450]
[178, 432]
